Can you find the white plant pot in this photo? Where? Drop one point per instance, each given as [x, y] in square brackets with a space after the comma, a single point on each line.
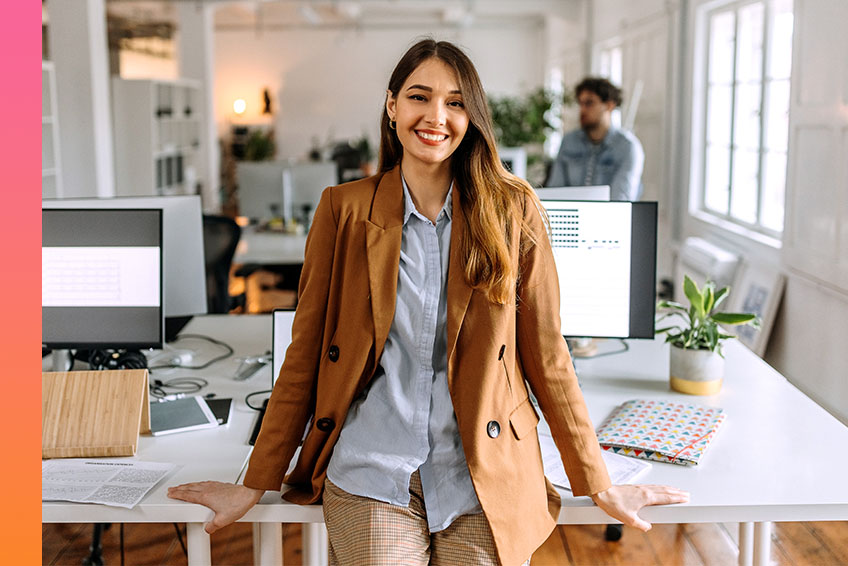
[696, 372]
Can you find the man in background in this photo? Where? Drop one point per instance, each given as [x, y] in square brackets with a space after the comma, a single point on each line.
[599, 153]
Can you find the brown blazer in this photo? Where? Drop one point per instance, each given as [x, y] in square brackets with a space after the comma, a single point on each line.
[345, 308]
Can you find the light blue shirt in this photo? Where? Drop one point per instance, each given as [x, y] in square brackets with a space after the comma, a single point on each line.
[404, 421]
[617, 161]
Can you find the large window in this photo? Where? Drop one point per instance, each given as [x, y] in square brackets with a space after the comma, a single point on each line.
[749, 60]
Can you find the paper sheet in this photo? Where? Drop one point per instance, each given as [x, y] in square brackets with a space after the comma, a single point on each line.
[119, 482]
[621, 468]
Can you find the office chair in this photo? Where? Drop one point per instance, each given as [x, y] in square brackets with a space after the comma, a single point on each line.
[220, 238]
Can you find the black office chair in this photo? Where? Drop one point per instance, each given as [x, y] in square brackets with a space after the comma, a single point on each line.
[220, 237]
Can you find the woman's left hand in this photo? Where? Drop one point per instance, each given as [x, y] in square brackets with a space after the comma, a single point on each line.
[623, 502]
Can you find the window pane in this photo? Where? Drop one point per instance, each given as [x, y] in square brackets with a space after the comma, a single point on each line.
[780, 48]
[721, 47]
[777, 115]
[743, 197]
[774, 187]
[719, 114]
[746, 131]
[616, 66]
[717, 176]
[749, 43]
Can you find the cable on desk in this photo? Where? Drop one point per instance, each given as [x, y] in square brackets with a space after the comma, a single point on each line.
[229, 353]
[254, 394]
[182, 386]
[625, 347]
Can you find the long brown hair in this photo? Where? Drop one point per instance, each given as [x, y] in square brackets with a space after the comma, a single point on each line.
[491, 199]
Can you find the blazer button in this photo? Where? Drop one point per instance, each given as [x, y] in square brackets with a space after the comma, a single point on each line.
[493, 429]
[333, 354]
[501, 353]
[325, 425]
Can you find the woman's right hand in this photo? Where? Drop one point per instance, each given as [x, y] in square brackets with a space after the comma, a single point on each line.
[229, 501]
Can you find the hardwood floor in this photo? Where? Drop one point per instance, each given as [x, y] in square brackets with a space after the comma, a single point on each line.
[793, 544]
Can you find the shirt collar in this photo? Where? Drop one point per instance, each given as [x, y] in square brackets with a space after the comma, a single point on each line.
[409, 205]
[612, 129]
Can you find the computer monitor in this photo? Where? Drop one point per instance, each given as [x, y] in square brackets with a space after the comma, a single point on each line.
[606, 257]
[594, 192]
[101, 278]
[279, 189]
[281, 336]
[184, 273]
[515, 160]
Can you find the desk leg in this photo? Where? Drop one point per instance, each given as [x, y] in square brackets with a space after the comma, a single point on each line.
[762, 543]
[315, 544]
[271, 544]
[746, 544]
[257, 541]
[199, 549]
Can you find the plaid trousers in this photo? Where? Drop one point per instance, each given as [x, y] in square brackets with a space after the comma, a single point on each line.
[367, 532]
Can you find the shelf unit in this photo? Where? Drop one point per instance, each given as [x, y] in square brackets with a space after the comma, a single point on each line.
[157, 136]
[51, 178]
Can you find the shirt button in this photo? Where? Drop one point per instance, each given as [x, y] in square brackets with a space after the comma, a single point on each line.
[501, 353]
[333, 354]
[493, 429]
[325, 425]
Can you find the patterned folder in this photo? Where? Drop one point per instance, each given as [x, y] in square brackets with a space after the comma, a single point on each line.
[660, 430]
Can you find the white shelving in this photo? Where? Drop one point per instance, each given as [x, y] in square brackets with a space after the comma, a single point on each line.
[51, 178]
[157, 136]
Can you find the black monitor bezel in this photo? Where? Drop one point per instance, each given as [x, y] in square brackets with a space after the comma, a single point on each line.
[77, 345]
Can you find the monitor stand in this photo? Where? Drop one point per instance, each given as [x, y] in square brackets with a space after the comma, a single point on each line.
[173, 326]
[62, 360]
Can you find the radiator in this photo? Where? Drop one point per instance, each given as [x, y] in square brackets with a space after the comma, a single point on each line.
[702, 260]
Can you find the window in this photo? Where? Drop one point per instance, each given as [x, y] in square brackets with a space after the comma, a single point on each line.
[749, 59]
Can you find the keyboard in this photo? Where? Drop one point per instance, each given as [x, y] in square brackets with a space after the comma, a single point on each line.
[258, 424]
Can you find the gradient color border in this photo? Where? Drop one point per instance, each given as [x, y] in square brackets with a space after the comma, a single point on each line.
[20, 163]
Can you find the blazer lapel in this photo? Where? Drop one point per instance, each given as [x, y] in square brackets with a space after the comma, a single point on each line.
[459, 291]
[383, 233]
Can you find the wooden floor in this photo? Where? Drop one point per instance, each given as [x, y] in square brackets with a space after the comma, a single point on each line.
[814, 544]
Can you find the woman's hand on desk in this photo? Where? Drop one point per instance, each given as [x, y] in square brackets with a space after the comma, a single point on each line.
[229, 501]
[623, 502]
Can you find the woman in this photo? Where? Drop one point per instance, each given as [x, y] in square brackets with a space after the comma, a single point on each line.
[428, 297]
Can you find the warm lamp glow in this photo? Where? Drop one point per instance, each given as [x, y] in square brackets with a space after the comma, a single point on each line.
[239, 106]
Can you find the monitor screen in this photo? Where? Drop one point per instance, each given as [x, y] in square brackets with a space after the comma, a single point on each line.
[101, 278]
[184, 275]
[281, 336]
[605, 255]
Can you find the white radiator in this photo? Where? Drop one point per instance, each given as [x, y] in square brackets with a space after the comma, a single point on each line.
[702, 260]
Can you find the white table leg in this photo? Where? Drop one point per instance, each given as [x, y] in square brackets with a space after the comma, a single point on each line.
[762, 543]
[257, 542]
[746, 544]
[198, 545]
[315, 544]
[270, 544]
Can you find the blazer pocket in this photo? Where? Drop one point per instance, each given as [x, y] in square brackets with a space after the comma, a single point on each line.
[523, 419]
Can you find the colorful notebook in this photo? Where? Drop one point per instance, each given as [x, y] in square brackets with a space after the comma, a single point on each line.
[661, 430]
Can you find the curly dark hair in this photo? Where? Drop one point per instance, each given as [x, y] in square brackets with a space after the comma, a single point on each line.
[605, 90]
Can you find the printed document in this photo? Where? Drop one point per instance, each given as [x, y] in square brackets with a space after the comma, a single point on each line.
[118, 482]
[621, 468]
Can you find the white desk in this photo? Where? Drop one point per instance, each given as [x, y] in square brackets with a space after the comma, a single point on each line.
[776, 458]
[269, 248]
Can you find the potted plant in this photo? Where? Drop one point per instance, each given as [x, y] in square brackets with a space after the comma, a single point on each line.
[697, 361]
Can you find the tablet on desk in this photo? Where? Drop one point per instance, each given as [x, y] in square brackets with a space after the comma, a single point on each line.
[180, 415]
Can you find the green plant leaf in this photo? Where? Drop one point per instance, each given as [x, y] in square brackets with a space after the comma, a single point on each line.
[709, 297]
[733, 318]
[694, 295]
[720, 296]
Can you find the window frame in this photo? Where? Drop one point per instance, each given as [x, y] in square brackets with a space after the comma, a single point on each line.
[725, 219]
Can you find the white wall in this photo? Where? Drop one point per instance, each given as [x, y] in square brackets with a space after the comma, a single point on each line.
[808, 343]
[331, 84]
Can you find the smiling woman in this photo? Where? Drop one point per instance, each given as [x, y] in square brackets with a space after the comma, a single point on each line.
[428, 302]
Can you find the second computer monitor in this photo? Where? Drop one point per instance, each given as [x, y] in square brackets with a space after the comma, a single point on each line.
[606, 257]
[184, 275]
